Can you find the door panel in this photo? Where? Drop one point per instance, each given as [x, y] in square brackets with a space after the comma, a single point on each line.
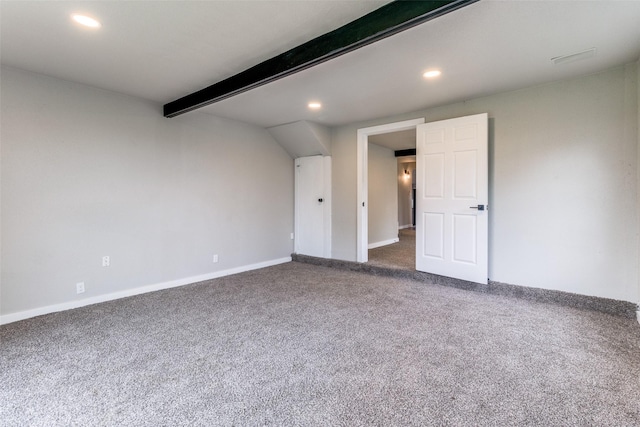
[309, 215]
[464, 174]
[452, 168]
[434, 230]
[464, 247]
[313, 206]
[434, 176]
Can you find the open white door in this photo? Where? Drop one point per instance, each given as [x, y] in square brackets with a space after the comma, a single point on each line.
[452, 195]
[313, 206]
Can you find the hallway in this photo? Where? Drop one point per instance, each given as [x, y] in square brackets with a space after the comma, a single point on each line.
[400, 255]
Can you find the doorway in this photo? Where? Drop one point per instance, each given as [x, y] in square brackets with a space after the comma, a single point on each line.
[362, 239]
[406, 191]
[401, 252]
[451, 196]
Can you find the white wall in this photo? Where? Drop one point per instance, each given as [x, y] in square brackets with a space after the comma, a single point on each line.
[563, 183]
[88, 173]
[405, 187]
[383, 196]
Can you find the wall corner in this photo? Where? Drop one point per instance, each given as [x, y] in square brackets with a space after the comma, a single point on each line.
[638, 173]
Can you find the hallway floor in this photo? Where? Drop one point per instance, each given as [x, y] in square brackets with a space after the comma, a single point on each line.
[400, 255]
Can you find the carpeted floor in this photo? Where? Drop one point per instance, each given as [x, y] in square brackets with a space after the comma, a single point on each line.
[303, 345]
[400, 255]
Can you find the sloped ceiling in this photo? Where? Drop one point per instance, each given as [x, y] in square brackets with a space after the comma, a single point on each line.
[301, 139]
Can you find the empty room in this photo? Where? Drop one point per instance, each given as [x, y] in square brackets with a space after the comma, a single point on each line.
[197, 199]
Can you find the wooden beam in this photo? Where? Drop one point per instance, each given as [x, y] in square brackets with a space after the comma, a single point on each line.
[407, 152]
[386, 21]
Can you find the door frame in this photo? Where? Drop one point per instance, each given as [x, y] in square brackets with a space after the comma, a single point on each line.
[362, 171]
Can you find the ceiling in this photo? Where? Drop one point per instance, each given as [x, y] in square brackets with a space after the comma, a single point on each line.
[400, 140]
[162, 50]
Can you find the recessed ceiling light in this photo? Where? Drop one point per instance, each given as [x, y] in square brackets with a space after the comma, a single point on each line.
[86, 21]
[314, 105]
[431, 74]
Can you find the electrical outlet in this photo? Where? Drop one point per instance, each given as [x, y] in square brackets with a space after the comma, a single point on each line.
[106, 261]
[80, 287]
[215, 258]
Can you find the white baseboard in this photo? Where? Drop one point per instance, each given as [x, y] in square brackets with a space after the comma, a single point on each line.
[383, 243]
[21, 315]
[405, 226]
[638, 315]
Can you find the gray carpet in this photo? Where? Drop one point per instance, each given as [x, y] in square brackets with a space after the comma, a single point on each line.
[298, 344]
[400, 255]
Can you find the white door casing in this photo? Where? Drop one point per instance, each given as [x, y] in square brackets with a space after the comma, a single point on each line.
[313, 206]
[362, 171]
[452, 192]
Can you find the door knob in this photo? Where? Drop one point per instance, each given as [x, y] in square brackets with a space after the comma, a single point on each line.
[320, 200]
[479, 207]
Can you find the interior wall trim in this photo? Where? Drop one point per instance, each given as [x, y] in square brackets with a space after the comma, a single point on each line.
[586, 302]
[383, 243]
[26, 314]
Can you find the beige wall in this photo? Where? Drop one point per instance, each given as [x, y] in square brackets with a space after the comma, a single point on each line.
[88, 173]
[383, 195]
[563, 183]
[343, 193]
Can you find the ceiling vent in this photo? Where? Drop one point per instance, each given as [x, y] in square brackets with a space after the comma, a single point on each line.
[565, 59]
